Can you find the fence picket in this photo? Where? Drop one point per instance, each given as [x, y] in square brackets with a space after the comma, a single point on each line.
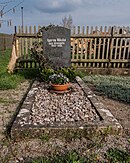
[86, 46]
[120, 51]
[87, 30]
[82, 46]
[105, 30]
[26, 30]
[104, 46]
[103, 51]
[73, 46]
[22, 48]
[124, 52]
[116, 51]
[77, 53]
[35, 31]
[109, 30]
[128, 56]
[19, 29]
[111, 52]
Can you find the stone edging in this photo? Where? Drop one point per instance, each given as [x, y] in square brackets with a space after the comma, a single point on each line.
[107, 122]
[106, 116]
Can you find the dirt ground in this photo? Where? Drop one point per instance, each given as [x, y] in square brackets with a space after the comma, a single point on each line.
[9, 100]
[121, 112]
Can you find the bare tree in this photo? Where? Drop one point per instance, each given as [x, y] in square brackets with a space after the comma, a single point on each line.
[67, 22]
[4, 9]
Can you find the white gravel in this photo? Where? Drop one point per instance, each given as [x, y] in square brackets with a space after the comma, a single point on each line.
[71, 106]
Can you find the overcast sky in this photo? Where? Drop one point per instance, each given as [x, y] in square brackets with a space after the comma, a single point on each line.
[83, 12]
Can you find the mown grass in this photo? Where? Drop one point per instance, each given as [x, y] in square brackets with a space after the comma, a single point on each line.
[11, 81]
[115, 87]
[7, 81]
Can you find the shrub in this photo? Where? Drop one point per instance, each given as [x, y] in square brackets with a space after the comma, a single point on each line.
[70, 73]
[115, 87]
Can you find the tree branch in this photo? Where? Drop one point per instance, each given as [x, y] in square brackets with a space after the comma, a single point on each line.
[12, 8]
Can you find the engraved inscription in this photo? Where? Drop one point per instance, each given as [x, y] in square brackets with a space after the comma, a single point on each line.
[58, 42]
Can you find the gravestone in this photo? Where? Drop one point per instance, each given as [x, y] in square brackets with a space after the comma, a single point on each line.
[56, 46]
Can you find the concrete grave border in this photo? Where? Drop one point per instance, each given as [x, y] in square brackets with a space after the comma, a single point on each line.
[108, 123]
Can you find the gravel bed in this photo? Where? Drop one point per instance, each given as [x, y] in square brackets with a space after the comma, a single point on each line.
[72, 106]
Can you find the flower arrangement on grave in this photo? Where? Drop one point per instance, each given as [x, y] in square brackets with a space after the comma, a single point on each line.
[58, 79]
[59, 82]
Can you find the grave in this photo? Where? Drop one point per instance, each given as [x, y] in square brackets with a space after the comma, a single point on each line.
[56, 46]
[45, 113]
[77, 113]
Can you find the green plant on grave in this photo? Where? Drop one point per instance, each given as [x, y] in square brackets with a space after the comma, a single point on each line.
[45, 73]
[69, 72]
[37, 49]
[37, 53]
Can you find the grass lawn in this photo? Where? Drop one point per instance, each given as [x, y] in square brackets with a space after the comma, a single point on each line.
[7, 81]
[11, 81]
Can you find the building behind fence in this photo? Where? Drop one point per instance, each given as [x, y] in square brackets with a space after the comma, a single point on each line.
[107, 47]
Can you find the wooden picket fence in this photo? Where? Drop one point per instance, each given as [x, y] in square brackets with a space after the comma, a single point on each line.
[6, 41]
[107, 47]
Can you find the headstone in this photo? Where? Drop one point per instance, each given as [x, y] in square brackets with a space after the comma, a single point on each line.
[56, 46]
